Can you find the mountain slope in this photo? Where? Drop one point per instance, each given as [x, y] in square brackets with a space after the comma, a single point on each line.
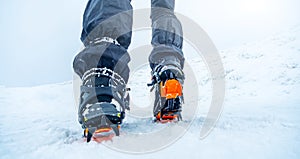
[260, 118]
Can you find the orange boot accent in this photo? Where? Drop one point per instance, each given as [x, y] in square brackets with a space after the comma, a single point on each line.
[171, 89]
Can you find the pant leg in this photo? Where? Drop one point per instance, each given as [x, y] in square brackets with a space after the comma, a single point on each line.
[166, 34]
[105, 18]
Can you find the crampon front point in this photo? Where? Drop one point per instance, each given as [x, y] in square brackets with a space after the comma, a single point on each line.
[102, 134]
[168, 117]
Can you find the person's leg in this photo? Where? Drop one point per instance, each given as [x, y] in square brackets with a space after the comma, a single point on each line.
[103, 64]
[166, 33]
[166, 60]
[105, 18]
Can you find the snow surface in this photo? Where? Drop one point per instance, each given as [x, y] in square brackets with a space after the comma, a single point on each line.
[260, 118]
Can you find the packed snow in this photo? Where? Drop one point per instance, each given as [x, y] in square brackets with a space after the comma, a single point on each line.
[260, 117]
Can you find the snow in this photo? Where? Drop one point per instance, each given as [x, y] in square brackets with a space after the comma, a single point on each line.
[260, 118]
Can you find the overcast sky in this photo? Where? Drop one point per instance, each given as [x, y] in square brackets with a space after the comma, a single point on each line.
[40, 38]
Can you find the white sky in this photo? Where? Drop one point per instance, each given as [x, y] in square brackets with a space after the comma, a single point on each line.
[40, 38]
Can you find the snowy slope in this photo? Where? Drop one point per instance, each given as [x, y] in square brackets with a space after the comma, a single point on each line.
[260, 118]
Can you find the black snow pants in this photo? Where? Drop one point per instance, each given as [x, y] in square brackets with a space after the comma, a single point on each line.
[107, 31]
